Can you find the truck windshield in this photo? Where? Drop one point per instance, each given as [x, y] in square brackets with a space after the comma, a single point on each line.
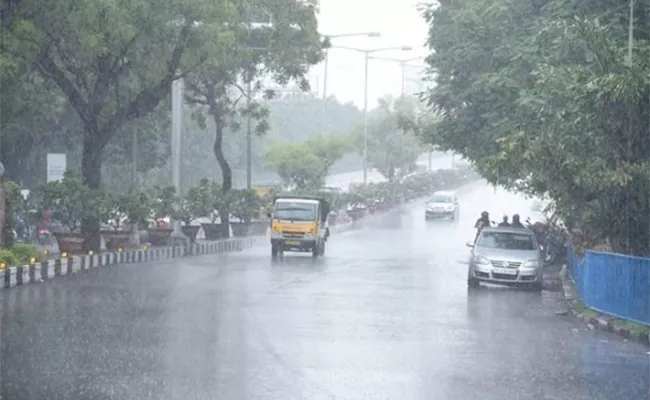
[295, 211]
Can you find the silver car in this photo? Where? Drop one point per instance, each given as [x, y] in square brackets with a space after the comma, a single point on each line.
[506, 256]
[442, 204]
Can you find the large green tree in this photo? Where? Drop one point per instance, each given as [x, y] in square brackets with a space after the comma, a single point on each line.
[282, 45]
[393, 137]
[114, 61]
[541, 97]
[305, 165]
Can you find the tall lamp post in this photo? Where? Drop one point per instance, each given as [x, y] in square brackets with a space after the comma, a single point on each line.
[326, 64]
[367, 53]
[341, 35]
[403, 64]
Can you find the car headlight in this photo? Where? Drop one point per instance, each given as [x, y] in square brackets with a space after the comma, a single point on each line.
[449, 208]
[481, 260]
[530, 264]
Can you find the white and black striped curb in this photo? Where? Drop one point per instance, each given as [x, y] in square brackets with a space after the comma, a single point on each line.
[26, 274]
[602, 321]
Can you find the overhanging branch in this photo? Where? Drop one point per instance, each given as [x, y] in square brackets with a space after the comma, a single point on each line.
[149, 98]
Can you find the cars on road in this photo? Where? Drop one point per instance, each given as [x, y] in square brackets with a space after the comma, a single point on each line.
[505, 255]
[442, 204]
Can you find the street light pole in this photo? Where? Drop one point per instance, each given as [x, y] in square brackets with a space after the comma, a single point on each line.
[403, 64]
[326, 64]
[365, 119]
[249, 140]
[177, 127]
[367, 53]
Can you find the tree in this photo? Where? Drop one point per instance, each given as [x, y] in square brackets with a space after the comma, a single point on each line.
[284, 49]
[547, 104]
[297, 166]
[305, 165]
[108, 60]
[393, 142]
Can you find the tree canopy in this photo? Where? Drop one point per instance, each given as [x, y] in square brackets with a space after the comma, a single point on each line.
[305, 165]
[393, 141]
[541, 96]
[112, 63]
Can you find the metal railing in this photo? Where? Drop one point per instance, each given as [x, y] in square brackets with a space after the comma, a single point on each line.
[613, 284]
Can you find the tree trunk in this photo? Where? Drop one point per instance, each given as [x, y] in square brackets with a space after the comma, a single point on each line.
[91, 169]
[226, 172]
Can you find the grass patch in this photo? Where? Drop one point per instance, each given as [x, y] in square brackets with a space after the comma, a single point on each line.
[634, 328]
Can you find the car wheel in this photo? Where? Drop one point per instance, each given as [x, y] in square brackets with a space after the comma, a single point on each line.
[537, 286]
[472, 282]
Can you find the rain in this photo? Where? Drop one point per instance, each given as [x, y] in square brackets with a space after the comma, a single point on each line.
[308, 200]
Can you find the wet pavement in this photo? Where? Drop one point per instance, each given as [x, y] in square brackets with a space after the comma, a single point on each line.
[385, 315]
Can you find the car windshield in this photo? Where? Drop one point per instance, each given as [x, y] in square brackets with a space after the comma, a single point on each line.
[441, 198]
[507, 240]
[295, 211]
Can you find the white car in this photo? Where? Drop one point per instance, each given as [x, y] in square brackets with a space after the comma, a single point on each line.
[442, 205]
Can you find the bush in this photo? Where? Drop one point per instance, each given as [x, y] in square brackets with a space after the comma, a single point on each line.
[24, 252]
[8, 258]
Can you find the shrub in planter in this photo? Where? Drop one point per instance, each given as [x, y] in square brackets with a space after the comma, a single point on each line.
[14, 204]
[162, 206]
[189, 210]
[137, 208]
[114, 212]
[8, 258]
[210, 198]
[26, 252]
[71, 201]
[245, 206]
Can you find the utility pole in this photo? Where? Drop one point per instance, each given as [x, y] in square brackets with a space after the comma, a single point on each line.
[134, 160]
[177, 127]
[365, 120]
[249, 139]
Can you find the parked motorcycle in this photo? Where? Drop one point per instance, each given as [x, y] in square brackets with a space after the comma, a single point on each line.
[552, 238]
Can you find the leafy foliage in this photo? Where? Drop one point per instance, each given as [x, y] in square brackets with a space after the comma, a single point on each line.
[71, 201]
[284, 50]
[541, 97]
[305, 165]
[393, 142]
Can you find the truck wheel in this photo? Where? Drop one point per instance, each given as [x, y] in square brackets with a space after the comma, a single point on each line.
[315, 251]
[274, 251]
[322, 249]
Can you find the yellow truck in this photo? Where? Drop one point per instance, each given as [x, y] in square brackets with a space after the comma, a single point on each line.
[299, 224]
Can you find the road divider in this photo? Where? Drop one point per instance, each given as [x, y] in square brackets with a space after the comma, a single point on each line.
[63, 266]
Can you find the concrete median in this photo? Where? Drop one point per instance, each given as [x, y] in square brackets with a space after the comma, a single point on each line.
[62, 266]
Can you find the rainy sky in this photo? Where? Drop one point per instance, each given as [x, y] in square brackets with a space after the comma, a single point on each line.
[399, 23]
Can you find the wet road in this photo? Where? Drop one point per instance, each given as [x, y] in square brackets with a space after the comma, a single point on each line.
[385, 315]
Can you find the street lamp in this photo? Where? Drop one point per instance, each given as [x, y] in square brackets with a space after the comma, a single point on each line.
[367, 53]
[341, 35]
[403, 64]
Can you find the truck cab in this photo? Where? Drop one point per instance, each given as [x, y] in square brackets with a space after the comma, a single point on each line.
[299, 224]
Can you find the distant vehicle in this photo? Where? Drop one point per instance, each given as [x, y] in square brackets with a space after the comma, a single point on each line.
[442, 205]
[507, 256]
[299, 223]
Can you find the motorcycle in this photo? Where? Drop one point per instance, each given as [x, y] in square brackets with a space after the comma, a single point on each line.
[552, 239]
